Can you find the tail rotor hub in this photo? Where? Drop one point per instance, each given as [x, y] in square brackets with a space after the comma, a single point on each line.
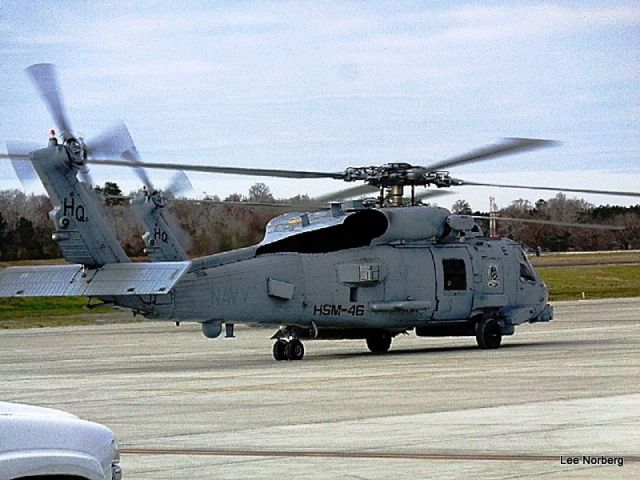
[76, 151]
[157, 198]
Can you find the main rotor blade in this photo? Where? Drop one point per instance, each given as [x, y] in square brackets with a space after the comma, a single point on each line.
[596, 226]
[346, 193]
[556, 189]
[431, 193]
[258, 172]
[43, 76]
[508, 146]
[288, 206]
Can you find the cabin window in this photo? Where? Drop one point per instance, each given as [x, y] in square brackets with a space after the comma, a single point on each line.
[455, 274]
[353, 294]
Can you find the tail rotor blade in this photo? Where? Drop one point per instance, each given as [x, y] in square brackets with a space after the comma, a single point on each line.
[87, 178]
[179, 184]
[132, 158]
[184, 239]
[25, 172]
[111, 142]
[117, 141]
[18, 154]
[43, 76]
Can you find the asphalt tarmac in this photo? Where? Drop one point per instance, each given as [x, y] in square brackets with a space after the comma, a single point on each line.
[184, 406]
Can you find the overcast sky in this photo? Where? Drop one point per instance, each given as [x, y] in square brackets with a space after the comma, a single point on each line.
[326, 85]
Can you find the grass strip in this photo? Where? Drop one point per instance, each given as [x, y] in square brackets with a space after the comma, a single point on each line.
[600, 281]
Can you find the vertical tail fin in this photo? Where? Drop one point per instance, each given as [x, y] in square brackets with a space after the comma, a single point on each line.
[80, 227]
[161, 243]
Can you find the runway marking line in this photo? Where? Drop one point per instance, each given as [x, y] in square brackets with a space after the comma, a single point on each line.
[354, 455]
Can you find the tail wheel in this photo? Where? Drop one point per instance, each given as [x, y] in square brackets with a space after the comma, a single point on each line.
[379, 342]
[295, 350]
[488, 333]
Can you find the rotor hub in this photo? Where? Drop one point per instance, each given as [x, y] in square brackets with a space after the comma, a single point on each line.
[398, 175]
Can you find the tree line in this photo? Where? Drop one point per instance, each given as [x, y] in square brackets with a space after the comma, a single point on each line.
[569, 210]
[211, 226]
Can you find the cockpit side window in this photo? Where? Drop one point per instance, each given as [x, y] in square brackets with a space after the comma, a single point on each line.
[455, 274]
[526, 273]
[526, 270]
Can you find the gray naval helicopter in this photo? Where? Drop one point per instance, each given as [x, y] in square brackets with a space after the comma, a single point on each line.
[356, 270]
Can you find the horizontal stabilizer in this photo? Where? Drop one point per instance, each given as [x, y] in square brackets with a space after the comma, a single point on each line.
[108, 280]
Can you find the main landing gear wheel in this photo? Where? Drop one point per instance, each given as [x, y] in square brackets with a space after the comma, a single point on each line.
[295, 349]
[379, 342]
[279, 350]
[488, 333]
[288, 350]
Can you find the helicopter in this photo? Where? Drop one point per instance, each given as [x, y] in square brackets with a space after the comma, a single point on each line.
[367, 269]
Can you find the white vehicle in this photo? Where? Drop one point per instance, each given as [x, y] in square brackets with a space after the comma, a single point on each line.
[46, 443]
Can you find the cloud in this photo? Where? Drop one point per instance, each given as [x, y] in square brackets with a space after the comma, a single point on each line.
[553, 13]
[294, 83]
[45, 40]
[479, 23]
[187, 20]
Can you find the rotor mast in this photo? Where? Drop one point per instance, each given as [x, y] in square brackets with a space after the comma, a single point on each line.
[396, 193]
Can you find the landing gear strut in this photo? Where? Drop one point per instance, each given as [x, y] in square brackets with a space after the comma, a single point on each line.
[288, 349]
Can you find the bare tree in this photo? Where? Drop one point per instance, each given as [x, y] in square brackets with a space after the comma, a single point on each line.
[259, 192]
[461, 207]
